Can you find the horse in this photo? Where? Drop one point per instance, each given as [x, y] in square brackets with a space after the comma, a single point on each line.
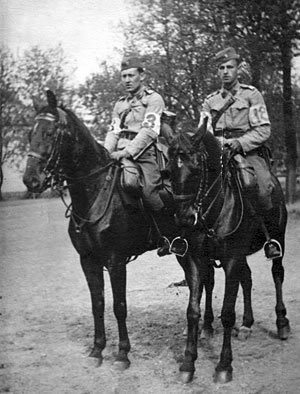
[218, 222]
[107, 227]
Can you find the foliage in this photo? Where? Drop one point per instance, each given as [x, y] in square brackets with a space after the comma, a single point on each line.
[98, 95]
[23, 78]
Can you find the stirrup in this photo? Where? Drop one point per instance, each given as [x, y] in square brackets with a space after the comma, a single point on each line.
[277, 249]
[163, 246]
[179, 246]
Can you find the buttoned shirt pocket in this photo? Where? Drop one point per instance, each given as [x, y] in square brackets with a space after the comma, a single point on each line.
[238, 115]
[136, 116]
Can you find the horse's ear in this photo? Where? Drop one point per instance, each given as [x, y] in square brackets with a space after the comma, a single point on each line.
[37, 105]
[201, 131]
[51, 98]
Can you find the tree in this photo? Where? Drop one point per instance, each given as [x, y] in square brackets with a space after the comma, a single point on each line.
[174, 34]
[181, 36]
[270, 30]
[98, 95]
[12, 143]
[21, 79]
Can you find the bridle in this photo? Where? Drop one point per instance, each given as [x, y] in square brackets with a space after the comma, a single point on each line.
[54, 175]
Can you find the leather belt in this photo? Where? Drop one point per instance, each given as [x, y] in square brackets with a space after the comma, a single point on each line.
[129, 135]
[229, 133]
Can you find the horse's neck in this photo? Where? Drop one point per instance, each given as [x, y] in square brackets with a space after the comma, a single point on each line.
[86, 169]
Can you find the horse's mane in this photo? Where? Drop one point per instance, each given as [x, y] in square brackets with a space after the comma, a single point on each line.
[205, 144]
[79, 128]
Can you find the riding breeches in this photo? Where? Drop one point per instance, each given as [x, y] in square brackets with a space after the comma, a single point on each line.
[265, 184]
[151, 179]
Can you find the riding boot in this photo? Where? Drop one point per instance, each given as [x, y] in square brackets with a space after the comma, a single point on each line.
[164, 219]
[272, 247]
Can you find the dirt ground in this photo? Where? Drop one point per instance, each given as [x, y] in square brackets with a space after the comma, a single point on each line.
[47, 326]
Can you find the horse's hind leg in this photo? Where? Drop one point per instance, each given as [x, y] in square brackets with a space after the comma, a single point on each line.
[282, 323]
[276, 225]
[117, 272]
[94, 275]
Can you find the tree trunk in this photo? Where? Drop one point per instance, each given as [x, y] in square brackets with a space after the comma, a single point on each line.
[290, 131]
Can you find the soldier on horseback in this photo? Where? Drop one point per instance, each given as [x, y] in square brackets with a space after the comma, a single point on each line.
[135, 130]
[244, 128]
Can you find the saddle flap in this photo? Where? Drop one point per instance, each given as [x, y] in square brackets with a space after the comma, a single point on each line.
[232, 211]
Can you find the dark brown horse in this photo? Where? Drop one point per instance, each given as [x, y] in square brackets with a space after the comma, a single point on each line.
[218, 222]
[106, 227]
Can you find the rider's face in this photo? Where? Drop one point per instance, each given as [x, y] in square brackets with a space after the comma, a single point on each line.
[132, 80]
[228, 72]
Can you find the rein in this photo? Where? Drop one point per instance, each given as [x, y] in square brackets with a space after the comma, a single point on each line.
[55, 177]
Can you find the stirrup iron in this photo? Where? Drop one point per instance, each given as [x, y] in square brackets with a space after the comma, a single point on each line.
[179, 246]
[273, 242]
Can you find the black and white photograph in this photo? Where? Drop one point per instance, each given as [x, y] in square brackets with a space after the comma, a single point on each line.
[150, 197]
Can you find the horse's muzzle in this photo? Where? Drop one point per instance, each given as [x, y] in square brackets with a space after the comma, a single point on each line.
[33, 178]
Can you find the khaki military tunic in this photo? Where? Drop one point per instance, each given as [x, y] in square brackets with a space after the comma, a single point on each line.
[135, 113]
[246, 119]
[135, 127]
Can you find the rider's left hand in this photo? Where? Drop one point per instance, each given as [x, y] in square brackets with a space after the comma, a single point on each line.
[118, 155]
[234, 145]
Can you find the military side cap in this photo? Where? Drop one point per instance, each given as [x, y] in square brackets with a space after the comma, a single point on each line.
[131, 62]
[225, 55]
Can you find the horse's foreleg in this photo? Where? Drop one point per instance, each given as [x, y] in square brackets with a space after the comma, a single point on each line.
[117, 272]
[223, 372]
[246, 284]
[282, 323]
[191, 270]
[207, 329]
[94, 275]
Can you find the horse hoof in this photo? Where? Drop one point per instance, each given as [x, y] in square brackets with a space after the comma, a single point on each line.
[284, 332]
[206, 333]
[222, 377]
[186, 377]
[96, 353]
[121, 365]
[244, 333]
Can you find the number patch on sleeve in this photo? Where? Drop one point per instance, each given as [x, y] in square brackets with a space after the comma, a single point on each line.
[258, 115]
[152, 120]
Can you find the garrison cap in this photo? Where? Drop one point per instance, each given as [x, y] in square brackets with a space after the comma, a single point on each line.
[132, 61]
[225, 55]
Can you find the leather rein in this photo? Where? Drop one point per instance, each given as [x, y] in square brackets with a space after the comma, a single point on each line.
[54, 176]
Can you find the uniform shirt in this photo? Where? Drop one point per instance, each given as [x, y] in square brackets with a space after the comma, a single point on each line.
[143, 110]
[247, 116]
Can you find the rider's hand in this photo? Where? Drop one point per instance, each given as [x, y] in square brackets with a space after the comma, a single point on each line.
[118, 155]
[234, 145]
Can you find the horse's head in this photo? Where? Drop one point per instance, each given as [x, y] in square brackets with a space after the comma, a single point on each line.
[60, 144]
[194, 163]
[43, 139]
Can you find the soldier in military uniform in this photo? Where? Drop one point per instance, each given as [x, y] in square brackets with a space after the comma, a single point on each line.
[244, 127]
[134, 131]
